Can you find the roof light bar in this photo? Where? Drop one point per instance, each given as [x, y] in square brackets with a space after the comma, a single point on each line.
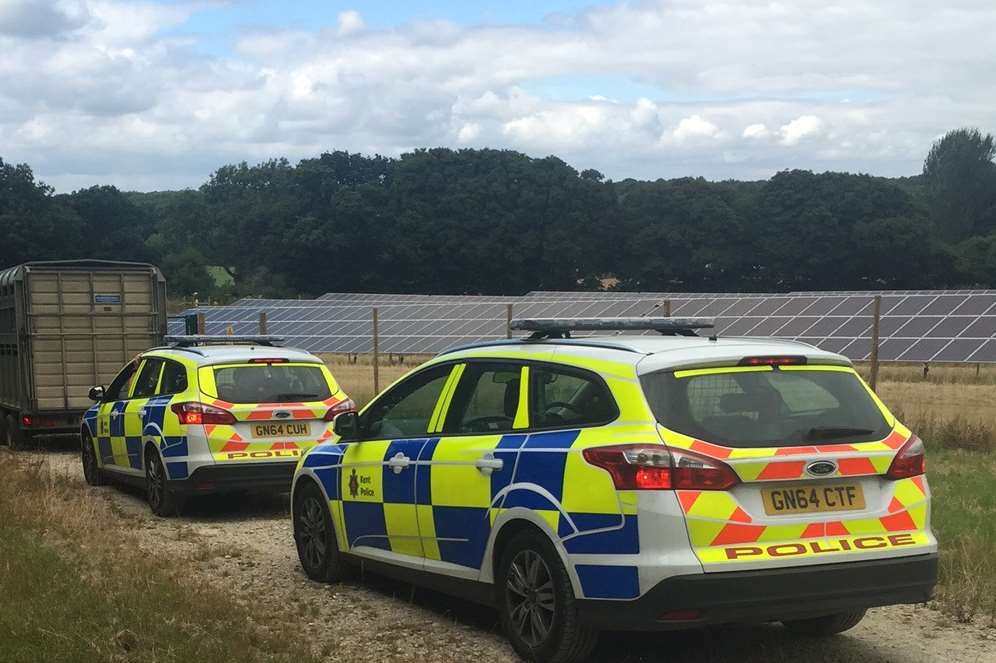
[224, 339]
[562, 327]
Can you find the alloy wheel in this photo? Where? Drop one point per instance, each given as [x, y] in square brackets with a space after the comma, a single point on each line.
[530, 595]
[312, 532]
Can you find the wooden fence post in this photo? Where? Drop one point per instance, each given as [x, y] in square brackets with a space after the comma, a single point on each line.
[376, 353]
[874, 349]
[508, 322]
[262, 323]
[201, 324]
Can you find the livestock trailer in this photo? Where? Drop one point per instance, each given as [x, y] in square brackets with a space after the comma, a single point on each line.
[66, 326]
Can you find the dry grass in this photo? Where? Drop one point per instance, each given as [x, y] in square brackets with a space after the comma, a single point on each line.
[78, 587]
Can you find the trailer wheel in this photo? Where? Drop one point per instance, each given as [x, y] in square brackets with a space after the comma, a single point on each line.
[16, 437]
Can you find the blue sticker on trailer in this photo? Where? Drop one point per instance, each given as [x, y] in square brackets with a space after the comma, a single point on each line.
[106, 299]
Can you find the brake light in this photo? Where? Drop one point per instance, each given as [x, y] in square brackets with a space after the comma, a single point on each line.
[270, 360]
[199, 413]
[788, 360]
[342, 406]
[26, 420]
[911, 461]
[656, 467]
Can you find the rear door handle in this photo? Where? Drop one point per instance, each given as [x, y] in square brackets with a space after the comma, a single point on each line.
[488, 464]
[142, 412]
[398, 462]
[115, 414]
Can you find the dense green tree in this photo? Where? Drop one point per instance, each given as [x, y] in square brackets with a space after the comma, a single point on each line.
[34, 225]
[961, 180]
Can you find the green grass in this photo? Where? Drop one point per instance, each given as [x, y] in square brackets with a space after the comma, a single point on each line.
[74, 586]
[964, 519]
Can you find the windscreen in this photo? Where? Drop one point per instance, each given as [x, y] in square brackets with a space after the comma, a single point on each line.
[271, 383]
[765, 408]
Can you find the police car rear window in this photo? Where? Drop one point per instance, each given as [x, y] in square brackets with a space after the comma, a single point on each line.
[271, 383]
[766, 408]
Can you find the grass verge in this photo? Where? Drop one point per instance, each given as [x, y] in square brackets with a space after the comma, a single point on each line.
[75, 586]
[964, 519]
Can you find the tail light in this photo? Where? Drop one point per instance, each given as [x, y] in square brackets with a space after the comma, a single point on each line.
[656, 467]
[26, 420]
[199, 413]
[342, 406]
[911, 461]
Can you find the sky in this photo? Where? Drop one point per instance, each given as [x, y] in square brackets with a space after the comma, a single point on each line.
[157, 95]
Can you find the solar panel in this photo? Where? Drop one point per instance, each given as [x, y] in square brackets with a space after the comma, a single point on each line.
[938, 326]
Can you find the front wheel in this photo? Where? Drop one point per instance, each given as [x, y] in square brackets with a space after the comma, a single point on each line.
[536, 603]
[92, 473]
[825, 625]
[314, 535]
[158, 493]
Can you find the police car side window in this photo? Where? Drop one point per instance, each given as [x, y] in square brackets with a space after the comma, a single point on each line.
[174, 380]
[486, 399]
[148, 378]
[564, 397]
[405, 411]
[119, 387]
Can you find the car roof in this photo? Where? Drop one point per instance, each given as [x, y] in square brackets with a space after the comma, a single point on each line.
[225, 354]
[656, 353]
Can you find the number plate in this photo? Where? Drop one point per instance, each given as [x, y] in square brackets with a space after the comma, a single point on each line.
[281, 429]
[813, 499]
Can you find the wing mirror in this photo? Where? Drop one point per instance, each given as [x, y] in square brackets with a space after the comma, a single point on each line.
[347, 426]
[96, 394]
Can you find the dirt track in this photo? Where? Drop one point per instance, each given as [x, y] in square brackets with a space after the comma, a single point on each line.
[244, 545]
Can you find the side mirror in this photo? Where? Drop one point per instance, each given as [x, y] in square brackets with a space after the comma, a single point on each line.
[347, 426]
[96, 394]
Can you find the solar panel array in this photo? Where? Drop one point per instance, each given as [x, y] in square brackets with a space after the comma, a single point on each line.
[916, 326]
[409, 328]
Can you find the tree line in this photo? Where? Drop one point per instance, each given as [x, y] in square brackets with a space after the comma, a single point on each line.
[499, 222]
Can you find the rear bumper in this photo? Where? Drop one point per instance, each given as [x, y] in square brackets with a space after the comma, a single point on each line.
[269, 477]
[769, 595]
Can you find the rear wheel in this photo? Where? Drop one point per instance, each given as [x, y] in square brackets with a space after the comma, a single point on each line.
[314, 535]
[16, 438]
[92, 473]
[158, 493]
[825, 625]
[536, 603]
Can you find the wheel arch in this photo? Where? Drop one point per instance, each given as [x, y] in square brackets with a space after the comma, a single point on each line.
[507, 526]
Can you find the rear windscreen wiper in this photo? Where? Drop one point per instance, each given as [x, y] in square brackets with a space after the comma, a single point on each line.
[284, 398]
[829, 433]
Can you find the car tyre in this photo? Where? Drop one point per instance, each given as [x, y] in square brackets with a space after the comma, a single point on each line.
[314, 535]
[161, 498]
[92, 473]
[826, 625]
[537, 605]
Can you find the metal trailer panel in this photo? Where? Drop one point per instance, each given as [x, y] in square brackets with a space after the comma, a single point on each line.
[67, 326]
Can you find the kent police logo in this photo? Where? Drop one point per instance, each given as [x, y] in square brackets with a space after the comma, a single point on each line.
[354, 484]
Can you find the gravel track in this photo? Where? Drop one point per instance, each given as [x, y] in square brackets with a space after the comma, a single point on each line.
[244, 545]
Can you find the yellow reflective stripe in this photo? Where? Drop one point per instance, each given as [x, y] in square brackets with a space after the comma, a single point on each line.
[443, 404]
[720, 370]
[522, 411]
[818, 367]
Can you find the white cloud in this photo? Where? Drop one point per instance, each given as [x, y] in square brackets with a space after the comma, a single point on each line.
[350, 22]
[756, 130]
[799, 128]
[123, 91]
[695, 127]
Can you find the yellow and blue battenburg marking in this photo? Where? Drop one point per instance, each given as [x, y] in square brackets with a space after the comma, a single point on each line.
[442, 507]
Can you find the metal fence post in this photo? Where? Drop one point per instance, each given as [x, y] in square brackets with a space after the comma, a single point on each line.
[874, 349]
[376, 353]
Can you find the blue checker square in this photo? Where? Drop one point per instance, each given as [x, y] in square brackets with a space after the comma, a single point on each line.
[608, 582]
[468, 528]
[106, 453]
[329, 476]
[624, 540]
[177, 470]
[545, 468]
[134, 447]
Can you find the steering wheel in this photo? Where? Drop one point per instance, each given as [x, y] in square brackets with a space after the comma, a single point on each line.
[484, 424]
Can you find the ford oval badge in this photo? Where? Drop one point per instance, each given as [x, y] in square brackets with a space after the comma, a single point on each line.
[281, 414]
[821, 468]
